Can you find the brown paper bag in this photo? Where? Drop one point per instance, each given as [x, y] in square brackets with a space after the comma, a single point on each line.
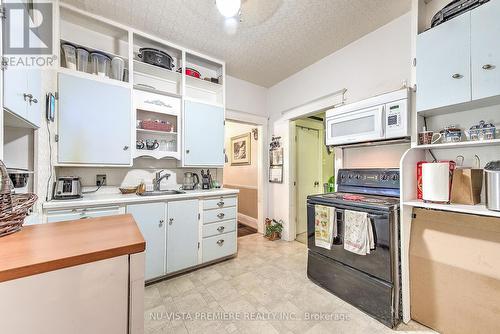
[466, 186]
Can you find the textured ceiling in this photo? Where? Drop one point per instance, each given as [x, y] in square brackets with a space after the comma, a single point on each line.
[275, 39]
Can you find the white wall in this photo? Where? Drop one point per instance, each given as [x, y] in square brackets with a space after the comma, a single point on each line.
[377, 63]
[245, 97]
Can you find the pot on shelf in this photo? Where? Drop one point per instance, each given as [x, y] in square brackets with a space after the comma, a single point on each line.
[156, 57]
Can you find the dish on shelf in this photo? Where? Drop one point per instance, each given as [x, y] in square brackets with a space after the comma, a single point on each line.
[156, 57]
[191, 72]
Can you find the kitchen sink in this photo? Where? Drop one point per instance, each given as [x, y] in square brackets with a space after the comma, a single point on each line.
[161, 192]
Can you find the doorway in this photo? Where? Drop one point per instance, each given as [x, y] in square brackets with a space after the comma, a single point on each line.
[314, 167]
[241, 171]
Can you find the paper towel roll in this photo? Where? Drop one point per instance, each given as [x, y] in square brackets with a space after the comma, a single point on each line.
[436, 182]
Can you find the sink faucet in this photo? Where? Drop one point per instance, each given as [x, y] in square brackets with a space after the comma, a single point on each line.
[158, 178]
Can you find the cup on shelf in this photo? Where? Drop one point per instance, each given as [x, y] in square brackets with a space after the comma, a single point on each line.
[152, 144]
[427, 137]
[82, 59]
[139, 144]
[100, 63]
[117, 68]
[69, 51]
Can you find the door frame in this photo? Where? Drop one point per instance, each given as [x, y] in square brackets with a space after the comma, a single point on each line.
[262, 160]
[294, 166]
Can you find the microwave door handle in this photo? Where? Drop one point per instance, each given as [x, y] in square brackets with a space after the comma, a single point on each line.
[382, 122]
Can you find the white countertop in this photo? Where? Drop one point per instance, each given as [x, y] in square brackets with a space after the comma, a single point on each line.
[111, 198]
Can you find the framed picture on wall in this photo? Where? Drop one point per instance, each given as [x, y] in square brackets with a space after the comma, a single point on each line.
[241, 150]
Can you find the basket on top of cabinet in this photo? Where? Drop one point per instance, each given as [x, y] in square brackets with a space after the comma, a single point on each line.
[219, 227]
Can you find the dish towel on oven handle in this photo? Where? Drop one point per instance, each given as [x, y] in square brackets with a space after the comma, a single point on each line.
[325, 228]
[358, 232]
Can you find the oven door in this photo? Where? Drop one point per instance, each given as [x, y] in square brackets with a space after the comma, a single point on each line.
[380, 261]
[355, 127]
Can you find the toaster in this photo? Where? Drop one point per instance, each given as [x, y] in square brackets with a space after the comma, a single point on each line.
[67, 187]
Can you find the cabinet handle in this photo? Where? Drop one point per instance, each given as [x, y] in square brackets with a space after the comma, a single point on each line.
[220, 242]
[488, 67]
[125, 147]
[220, 228]
[171, 221]
[187, 151]
[221, 215]
[28, 96]
[220, 204]
[161, 223]
[457, 76]
[84, 217]
[34, 101]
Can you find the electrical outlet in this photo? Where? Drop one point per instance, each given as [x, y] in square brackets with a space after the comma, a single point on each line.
[100, 180]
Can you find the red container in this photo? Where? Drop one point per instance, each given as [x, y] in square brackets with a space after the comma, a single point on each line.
[419, 179]
[156, 126]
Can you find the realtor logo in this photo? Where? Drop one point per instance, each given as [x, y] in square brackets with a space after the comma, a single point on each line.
[28, 29]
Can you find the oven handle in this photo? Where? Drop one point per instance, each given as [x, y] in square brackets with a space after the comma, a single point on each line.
[376, 216]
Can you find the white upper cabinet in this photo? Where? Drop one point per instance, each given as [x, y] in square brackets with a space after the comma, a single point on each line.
[22, 93]
[203, 128]
[443, 64]
[485, 30]
[94, 122]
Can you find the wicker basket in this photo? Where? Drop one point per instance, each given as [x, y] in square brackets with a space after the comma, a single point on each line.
[156, 126]
[13, 207]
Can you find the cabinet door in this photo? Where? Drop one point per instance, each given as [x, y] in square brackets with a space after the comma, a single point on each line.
[150, 218]
[34, 110]
[15, 85]
[443, 64]
[485, 28]
[94, 122]
[182, 235]
[203, 135]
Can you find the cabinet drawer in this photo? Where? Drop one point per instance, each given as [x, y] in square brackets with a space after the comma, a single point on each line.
[219, 202]
[83, 213]
[219, 246]
[157, 103]
[218, 215]
[210, 230]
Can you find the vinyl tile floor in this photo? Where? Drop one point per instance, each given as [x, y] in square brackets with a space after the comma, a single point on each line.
[264, 289]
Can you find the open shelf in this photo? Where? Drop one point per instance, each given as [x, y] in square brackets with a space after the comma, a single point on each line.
[156, 154]
[156, 71]
[203, 84]
[94, 77]
[479, 209]
[462, 144]
[162, 133]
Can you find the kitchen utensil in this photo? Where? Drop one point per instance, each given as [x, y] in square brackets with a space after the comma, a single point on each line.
[436, 181]
[482, 131]
[191, 181]
[82, 59]
[492, 183]
[205, 180]
[156, 57]
[117, 68]
[467, 183]
[139, 144]
[19, 177]
[100, 63]
[69, 51]
[152, 144]
[67, 187]
[128, 190]
[427, 137]
[190, 72]
[451, 134]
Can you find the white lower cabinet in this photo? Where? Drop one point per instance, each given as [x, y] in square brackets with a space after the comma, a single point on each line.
[150, 217]
[54, 216]
[219, 228]
[182, 235]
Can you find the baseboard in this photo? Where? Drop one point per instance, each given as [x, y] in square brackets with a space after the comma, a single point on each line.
[247, 220]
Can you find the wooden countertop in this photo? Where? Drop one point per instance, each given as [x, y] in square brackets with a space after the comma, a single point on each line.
[46, 247]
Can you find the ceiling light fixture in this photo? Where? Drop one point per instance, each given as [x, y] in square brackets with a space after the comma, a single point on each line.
[228, 8]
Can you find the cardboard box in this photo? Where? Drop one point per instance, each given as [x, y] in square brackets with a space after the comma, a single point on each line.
[455, 272]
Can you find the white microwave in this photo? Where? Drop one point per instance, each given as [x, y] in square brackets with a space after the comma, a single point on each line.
[379, 118]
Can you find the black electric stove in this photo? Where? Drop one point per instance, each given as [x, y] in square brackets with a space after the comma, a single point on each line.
[370, 282]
